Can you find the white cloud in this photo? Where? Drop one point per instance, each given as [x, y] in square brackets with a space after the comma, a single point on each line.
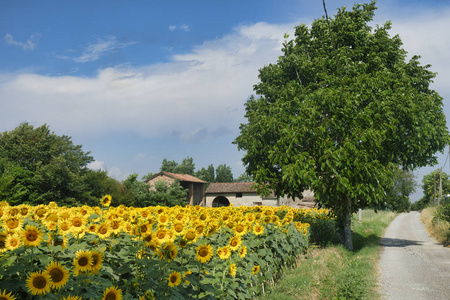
[97, 165]
[101, 47]
[113, 172]
[28, 45]
[196, 96]
[185, 27]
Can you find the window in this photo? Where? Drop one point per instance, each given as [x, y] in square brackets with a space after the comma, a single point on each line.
[238, 195]
[257, 203]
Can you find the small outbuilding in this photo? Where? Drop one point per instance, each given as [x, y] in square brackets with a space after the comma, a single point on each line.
[244, 193]
[195, 186]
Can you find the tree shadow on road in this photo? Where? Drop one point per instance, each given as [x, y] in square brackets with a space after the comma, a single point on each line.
[372, 240]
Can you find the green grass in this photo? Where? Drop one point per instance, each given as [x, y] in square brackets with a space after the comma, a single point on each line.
[333, 272]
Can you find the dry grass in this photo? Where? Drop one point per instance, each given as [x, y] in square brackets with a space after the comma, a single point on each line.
[435, 227]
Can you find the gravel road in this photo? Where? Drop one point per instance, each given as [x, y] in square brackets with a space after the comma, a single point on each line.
[413, 265]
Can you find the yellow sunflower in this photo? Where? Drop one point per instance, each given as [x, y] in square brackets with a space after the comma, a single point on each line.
[233, 270]
[190, 235]
[13, 224]
[32, 236]
[255, 270]
[258, 229]
[112, 293]
[38, 283]
[204, 253]
[243, 251]
[174, 279]
[3, 237]
[224, 252]
[240, 229]
[71, 298]
[106, 201]
[12, 242]
[182, 243]
[83, 262]
[178, 228]
[5, 296]
[104, 230]
[235, 243]
[59, 275]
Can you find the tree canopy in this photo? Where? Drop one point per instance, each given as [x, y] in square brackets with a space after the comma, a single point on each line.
[340, 110]
[37, 166]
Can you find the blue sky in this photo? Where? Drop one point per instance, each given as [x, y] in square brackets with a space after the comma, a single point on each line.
[135, 82]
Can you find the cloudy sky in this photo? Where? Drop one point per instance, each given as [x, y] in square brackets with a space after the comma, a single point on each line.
[135, 82]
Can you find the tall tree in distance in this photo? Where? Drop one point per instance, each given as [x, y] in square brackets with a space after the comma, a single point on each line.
[37, 166]
[224, 173]
[338, 113]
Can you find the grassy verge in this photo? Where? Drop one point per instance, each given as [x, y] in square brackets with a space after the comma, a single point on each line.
[437, 228]
[333, 272]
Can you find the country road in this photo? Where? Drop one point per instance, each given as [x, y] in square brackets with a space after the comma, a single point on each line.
[412, 265]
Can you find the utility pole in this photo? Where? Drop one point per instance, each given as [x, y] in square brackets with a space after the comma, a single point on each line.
[440, 187]
[434, 188]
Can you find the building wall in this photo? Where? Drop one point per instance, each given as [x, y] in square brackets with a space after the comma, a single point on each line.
[247, 199]
[253, 199]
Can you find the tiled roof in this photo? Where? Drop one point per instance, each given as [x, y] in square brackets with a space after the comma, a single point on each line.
[180, 177]
[230, 187]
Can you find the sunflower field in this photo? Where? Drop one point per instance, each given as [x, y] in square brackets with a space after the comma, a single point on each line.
[51, 252]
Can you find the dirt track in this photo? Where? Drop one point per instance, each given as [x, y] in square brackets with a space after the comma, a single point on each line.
[413, 265]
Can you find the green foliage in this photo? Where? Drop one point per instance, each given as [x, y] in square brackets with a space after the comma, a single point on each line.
[430, 186]
[397, 195]
[223, 174]
[187, 166]
[443, 212]
[244, 178]
[338, 113]
[207, 174]
[163, 194]
[37, 166]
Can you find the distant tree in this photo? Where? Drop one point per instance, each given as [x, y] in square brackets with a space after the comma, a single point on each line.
[398, 194]
[187, 166]
[169, 166]
[338, 112]
[37, 166]
[244, 177]
[206, 174]
[224, 174]
[430, 187]
[99, 184]
[168, 194]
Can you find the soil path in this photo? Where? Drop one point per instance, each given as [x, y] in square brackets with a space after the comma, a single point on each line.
[413, 265]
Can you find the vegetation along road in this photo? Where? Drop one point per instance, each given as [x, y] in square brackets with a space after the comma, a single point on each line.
[413, 265]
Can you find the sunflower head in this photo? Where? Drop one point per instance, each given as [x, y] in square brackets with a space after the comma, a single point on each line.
[112, 293]
[5, 296]
[59, 275]
[233, 269]
[82, 262]
[12, 242]
[38, 283]
[255, 270]
[204, 253]
[106, 201]
[32, 236]
[97, 261]
[174, 279]
[243, 251]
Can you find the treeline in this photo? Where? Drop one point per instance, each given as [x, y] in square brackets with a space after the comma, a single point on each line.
[37, 167]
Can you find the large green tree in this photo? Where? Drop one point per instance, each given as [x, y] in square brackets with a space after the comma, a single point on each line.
[339, 112]
[37, 166]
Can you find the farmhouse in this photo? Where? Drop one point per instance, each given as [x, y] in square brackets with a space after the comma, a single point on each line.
[243, 193]
[195, 186]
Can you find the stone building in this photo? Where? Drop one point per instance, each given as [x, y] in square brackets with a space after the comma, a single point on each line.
[243, 193]
[195, 186]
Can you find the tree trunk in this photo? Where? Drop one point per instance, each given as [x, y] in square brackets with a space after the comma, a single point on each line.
[347, 224]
